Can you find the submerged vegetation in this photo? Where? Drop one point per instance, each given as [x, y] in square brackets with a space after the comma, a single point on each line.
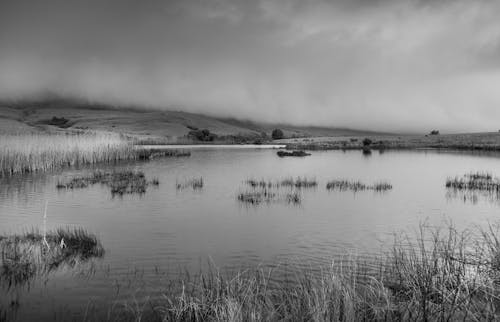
[26, 255]
[344, 185]
[119, 182]
[193, 183]
[43, 152]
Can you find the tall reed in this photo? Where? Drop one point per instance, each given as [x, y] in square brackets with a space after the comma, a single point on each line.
[42, 152]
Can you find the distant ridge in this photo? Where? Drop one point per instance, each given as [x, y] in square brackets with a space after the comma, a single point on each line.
[35, 115]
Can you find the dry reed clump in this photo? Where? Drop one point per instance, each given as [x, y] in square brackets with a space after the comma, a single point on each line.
[43, 152]
[299, 182]
[193, 183]
[475, 182]
[31, 153]
[120, 182]
[265, 195]
[355, 186]
[24, 256]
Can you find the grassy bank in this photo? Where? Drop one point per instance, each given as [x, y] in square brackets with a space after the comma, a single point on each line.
[468, 142]
[42, 152]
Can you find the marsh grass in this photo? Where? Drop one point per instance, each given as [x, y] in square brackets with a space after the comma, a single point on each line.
[299, 182]
[475, 182]
[265, 195]
[119, 182]
[43, 152]
[31, 153]
[26, 255]
[193, 183]
[432, 274]
[355, 186]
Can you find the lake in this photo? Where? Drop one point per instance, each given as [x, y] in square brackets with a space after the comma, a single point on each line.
[169, 229]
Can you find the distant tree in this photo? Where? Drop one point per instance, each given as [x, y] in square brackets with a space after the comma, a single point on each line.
[434, 132]
[277, 134]
[367, 142]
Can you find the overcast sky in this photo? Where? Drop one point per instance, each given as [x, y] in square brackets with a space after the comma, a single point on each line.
[375, 64]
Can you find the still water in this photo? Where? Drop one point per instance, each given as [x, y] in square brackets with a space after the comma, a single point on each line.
[171, 230]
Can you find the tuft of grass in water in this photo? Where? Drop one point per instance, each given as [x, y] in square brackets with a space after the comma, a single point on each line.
[193, 183]
[256, 197]
[475, 181]
[119, 182]
[26, 255]
[355, 186]
[382, 186]
[299, 182]
[265, 195]
[344, 185]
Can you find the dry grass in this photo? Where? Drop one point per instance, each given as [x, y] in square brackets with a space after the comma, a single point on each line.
[32, 153]
[432, 275]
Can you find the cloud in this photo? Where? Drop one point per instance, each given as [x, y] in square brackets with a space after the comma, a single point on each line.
[379, 64]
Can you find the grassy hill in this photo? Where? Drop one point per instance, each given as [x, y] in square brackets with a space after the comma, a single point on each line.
[66, 115]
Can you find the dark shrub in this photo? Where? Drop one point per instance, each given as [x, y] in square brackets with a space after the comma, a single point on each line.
[434, 132]
[201, 135]
[367, 142]
[59, 121]
[277, 134]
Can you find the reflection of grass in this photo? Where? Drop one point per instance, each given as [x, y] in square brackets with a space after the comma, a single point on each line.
[24, 256]
[120, 182]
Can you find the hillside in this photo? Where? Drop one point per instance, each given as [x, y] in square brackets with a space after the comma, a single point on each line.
[64, 115]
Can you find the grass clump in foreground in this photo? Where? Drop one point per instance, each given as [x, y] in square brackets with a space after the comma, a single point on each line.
[193, 183]
[119, 182]
[26, 255]
[432, 275]
[43, 152]
[355, 186]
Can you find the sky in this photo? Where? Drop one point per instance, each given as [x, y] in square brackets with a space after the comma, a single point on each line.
[391, 65]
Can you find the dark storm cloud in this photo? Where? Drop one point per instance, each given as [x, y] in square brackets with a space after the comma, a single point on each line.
[379, 64]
